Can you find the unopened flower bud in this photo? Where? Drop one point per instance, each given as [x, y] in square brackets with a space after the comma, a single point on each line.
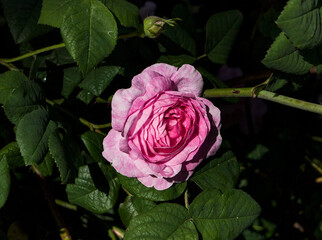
[153, 26]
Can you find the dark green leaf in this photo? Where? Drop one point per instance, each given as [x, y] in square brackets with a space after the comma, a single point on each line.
[127, 13]
[258, 152]
[221, 30]
[138, 189]
[32, 135]
[267, 25]
[181, 37]
[96, 188]
[178, 60]
[89, 31]
[283, 56]
[22, 17]
[66, 160]
[46, 167]
[223, 215]
[72, 78]
[221, 173]
[99, 78]
[53, 11]
[25, 98]
[302, 22]
[12, 153]
[5, 181]
[132, 207]
[94, 144]
[85, 96]
[9, 81]
[165, 221]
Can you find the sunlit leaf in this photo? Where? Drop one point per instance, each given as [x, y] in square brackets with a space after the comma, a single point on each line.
[165, 221]
[89, 31]
[32, 135]
[283, 56]
[132, 207]
[301, 21]
[221, 173]
[225, 215]
[96, 188]
[53, 11]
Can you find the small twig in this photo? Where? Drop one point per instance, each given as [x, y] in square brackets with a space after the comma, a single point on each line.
[118, 232]
[186, 199]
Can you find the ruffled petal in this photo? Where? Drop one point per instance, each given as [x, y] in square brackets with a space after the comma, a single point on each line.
[188, 80]
[120, 160]
[157, 183]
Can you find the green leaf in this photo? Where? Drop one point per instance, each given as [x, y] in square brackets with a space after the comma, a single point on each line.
[46, 167]
[302, 22]
[5, 181]
[221, 30]
[64, 156]
[94, 144]
[22, 17]
[53, 11]
[85, 96]
[96, 188]
[181, 37]
[275, 83]
[223, 215]
[136, 188]
[132, 207]
[72, 78]
[9, 81]
[32, 135]
[165, 221]
[258, 152]
[221, 173]
[12, 153]
[24, 98]
[99, 78]
[213, 79]
[89, 31]
[177, 60]
[283, 56]
[126, 12]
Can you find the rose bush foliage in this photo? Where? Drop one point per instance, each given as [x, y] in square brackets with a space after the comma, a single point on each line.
[161, 127]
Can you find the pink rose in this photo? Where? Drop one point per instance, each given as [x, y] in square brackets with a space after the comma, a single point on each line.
[161, 128]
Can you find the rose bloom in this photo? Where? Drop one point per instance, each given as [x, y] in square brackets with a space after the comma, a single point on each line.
[161, 128]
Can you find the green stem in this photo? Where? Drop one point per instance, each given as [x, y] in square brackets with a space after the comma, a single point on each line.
[186, 199]
[263, 94]
[30, 54]
[5, 61]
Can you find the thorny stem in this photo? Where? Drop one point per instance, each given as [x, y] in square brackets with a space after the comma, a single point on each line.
[263, 94]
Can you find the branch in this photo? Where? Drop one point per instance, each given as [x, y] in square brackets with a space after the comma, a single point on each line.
[263, 94]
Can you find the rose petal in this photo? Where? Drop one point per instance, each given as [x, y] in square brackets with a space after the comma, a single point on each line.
[157, 183]
[188, 80]
[121, 161]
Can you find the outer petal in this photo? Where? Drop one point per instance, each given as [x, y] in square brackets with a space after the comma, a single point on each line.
[214, 113]
[157, 183]
[188, 80]
[121, 104]
[121, 161]
[162, 69]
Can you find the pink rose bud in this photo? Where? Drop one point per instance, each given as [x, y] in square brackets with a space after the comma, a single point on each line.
[153, 26]
[161, 128]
